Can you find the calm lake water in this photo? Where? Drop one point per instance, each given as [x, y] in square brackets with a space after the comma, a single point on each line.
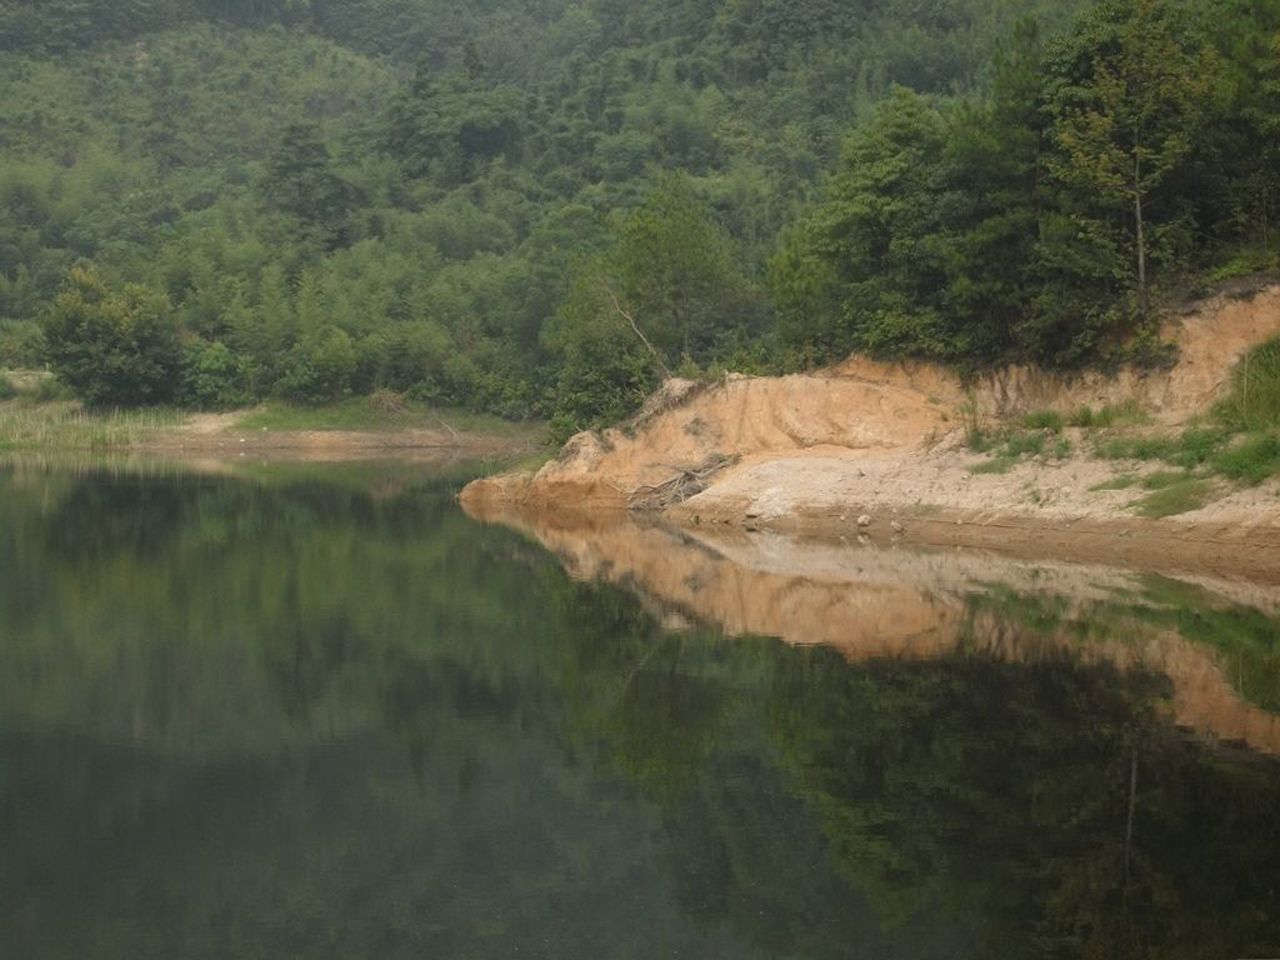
[302, 712]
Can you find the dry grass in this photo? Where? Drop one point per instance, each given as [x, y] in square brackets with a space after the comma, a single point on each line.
[68, 425]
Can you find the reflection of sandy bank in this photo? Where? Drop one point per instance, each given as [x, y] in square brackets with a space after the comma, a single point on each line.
[871, 603]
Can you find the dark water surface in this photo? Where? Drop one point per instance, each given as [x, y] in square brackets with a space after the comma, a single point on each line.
[306, 713]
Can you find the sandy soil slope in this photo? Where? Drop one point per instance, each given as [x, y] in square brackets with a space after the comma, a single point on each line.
[884, 442]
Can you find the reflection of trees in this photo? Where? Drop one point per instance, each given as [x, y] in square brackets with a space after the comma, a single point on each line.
[1001, 792]
[961, 802]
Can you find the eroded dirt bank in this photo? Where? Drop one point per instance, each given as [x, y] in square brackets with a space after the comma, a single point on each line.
[870, 602]
[879, 450]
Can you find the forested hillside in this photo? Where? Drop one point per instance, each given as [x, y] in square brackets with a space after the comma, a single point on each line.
[538, 207]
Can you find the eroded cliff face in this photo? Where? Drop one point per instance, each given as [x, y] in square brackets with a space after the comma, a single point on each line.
[687, 427]
[872, 603]
[887, 440]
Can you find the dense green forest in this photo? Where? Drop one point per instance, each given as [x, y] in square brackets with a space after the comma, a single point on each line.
[208, 202]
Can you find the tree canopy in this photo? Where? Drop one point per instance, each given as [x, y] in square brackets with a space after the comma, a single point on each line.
[466, 202]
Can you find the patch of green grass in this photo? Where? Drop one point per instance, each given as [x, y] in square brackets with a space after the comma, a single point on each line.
[1252, 461]
[1190, 449]
[364, 414]
[7, 390]
[1185, 495]
[979, 440]
[1128, 413]
[1000, 464]
[1253, 403]
[1009, 446]
[1163, 478]
[1020, 444]
[1122, 482]
[1242, 263]
[1044, 420]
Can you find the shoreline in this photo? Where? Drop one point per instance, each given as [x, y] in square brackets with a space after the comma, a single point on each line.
[65, 428]
[1228, 549]
[1021, 460]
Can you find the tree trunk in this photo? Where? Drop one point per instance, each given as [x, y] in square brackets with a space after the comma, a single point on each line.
[1142, 238]
[1128, 830]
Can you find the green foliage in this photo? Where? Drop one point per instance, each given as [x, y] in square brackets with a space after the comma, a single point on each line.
[437, 183]
[1182, 496]
[1008, 446]
[1254, 400]
[1238, 264]
[1034, 223]
[212, 377]
[320, 369]
[7, 390]
[844, 276]
[1134, 87]
[1192, 448]
[113, 348]
[1049, 420]
[299, 182]
[999, 464]
[1112, 415]
[1162, 478]
[676, 273]
[1023, 444]
[1251, 461]
[605, 371]
[1123, 482]
[366, 414]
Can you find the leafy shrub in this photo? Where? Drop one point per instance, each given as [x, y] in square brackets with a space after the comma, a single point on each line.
[1242, 263]
[212, 377]
[113, 348]
[50, 390]
[320, 371]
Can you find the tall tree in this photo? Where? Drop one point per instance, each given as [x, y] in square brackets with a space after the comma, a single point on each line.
[994, 198]
[675, 266]
[301, 183]
[865, 269]
[1133, 88]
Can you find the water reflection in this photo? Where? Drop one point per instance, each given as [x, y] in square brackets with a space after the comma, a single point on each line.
[1218, 643]
[286, 716]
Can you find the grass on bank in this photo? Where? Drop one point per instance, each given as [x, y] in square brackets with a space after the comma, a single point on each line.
[1180, 496]
[67, 424]
[1240, 442]
[375, 414]
[1039, 434]
[36, 412]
